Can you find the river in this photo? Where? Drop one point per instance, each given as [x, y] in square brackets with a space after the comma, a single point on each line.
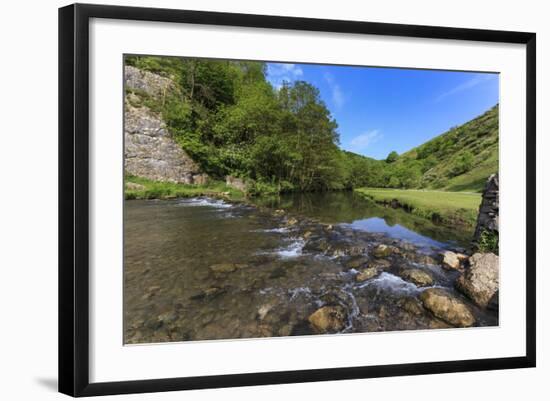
[205, 269]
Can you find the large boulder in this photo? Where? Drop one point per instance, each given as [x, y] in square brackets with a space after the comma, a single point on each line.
[328, 319]
[480, 281]
[446, 307]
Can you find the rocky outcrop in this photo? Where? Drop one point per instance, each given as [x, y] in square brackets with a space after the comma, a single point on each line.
[152, 84]
[149, 149]
[480, 281]
[487, 219]
[446, 307]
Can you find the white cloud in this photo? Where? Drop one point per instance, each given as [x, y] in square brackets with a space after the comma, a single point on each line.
[472, 82]
[363, 141]
[338, 97]
[279, 73]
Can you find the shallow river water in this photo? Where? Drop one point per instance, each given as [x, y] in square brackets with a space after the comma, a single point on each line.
[204, 269]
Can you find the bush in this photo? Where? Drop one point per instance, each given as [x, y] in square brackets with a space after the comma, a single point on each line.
[488, 242]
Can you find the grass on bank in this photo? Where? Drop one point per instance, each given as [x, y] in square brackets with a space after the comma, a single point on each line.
[448, 208]
[142, 188]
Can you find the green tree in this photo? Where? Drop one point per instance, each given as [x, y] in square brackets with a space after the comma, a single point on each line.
[392, 156]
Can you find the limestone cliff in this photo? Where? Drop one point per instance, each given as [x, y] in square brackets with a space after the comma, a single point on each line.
[149, 149]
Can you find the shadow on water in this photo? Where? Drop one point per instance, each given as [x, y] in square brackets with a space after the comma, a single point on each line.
[347, 207]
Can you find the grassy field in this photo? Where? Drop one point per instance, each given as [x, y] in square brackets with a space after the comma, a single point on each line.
[445, 207]
[142, 188]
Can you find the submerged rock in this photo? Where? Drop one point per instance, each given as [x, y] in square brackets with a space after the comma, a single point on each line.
[357, 262]
[227, 267]
[264, 310]
[417, 276]
[367, 274]
[208, 293]
[328, 319]
[412, 305]
[382, 251]
[480, 281]
[446, 307]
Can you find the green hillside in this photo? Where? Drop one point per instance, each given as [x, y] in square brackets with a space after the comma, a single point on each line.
[461, 159]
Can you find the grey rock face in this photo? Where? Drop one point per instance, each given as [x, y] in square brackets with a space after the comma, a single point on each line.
[149, 149]
[150, 152]
[153, 84]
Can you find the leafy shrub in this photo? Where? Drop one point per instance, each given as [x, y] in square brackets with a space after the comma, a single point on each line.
[488, 242]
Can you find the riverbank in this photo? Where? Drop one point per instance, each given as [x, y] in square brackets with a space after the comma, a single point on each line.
[449, 208]
[142, 188]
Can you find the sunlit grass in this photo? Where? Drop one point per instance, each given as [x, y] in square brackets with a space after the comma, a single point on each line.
[441, 206]
[142, 188]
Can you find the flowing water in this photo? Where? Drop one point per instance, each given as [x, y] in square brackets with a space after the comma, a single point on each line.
[204, 269]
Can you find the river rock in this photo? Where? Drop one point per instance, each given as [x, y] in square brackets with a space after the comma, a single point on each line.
[412, 305]
[345, 249]
[357, 262]
[366, 274]
[380, 264]
[382, 251]
[446, 307]
[417, 276]
[328, 319]
[316, 245]
[291, 221]
[480, 281]
[264, 310]
[451, 260]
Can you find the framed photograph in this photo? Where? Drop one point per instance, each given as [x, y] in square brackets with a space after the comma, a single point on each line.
[251, 199]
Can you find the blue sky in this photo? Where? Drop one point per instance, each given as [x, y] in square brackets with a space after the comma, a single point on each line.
[383, 109]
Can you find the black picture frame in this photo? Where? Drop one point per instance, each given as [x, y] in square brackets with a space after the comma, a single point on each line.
[74, 201]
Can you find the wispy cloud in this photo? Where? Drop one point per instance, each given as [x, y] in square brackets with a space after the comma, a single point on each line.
[364, 140]
[338, 97]
[470, 83]
[279, 73]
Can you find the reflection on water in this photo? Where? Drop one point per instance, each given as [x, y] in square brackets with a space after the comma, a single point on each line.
[203, 269]
[350, 208]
